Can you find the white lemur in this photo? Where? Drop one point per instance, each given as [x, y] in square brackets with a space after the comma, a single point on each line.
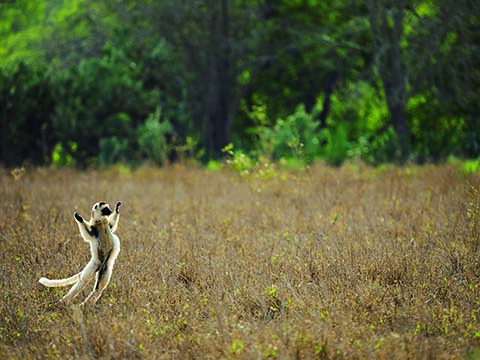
[99, 231]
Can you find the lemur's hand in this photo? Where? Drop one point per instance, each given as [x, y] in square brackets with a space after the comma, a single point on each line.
[117, 206]
[78, 217]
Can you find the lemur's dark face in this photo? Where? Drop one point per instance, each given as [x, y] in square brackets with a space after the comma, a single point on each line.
[100, 210]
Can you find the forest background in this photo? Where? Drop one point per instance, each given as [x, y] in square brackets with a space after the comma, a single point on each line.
[90, 83]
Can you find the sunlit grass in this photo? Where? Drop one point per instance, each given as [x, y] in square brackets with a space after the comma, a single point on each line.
[350, 262]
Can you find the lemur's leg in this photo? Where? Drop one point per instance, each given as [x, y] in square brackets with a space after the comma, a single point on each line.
[104, 274]
[103, 278]
[84, 228]
[86, 274]
[114, 218]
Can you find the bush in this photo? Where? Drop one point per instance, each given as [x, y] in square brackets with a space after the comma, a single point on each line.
[151, 138]
[239, 161]
[113, 150]
[435, 134]
[383, 147]
[62, 154]
[295, 137]
[336, 143]
[299, 138]
[471, 166]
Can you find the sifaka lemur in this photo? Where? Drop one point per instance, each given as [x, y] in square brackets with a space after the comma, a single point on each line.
[99, 232]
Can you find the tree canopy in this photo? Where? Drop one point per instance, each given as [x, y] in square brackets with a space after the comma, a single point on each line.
[91, 83]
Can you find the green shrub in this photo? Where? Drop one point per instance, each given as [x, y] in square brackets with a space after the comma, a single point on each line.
[354, 126]
[294, 137]
[113, 150]
[151, 138]
[382, 148]
[471, 166]
[337, 146]
[62, 154]
[360, 107]
[214, 165]
[239, 161]
[435, 134]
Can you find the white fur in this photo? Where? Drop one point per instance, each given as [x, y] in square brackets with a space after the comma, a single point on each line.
[94, 266]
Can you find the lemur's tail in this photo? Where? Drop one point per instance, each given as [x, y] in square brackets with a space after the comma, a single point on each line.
[61, 282]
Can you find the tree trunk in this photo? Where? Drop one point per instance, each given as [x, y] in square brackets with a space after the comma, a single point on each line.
[386, 24]
[311, 99]
[218, 111]
[327, 100]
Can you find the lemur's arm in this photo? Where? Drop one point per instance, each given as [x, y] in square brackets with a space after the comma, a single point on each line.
[114, 217]
[84, 228]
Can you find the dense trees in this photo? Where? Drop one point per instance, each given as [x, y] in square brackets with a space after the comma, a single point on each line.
[91, 83]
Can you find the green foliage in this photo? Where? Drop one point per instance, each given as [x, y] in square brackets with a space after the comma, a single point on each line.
[356, 126]
[295, 137]
[384, 147]
[113, 150]
[336, 142]
[89, 73]
[353, 130]
[214, 165]
[436, 134]
[298, 139]
[237, 346]
[59, 33]
[21, 30]
[26, 105]
[471, 166]
[99, 105]
[361, 107]
[238, 160]
[64, 157]
[151, 138]
[291, 164]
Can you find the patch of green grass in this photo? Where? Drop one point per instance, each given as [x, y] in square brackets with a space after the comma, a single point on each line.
[471, 166]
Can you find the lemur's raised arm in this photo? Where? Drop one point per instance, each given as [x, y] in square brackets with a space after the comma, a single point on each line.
[115, 217]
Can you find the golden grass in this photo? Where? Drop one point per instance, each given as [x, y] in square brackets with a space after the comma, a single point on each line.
[328, 263]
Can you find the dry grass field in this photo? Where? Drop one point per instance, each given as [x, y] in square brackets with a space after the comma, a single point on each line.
[333, 263]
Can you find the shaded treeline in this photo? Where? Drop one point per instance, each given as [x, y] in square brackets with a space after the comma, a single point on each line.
[87, 83]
